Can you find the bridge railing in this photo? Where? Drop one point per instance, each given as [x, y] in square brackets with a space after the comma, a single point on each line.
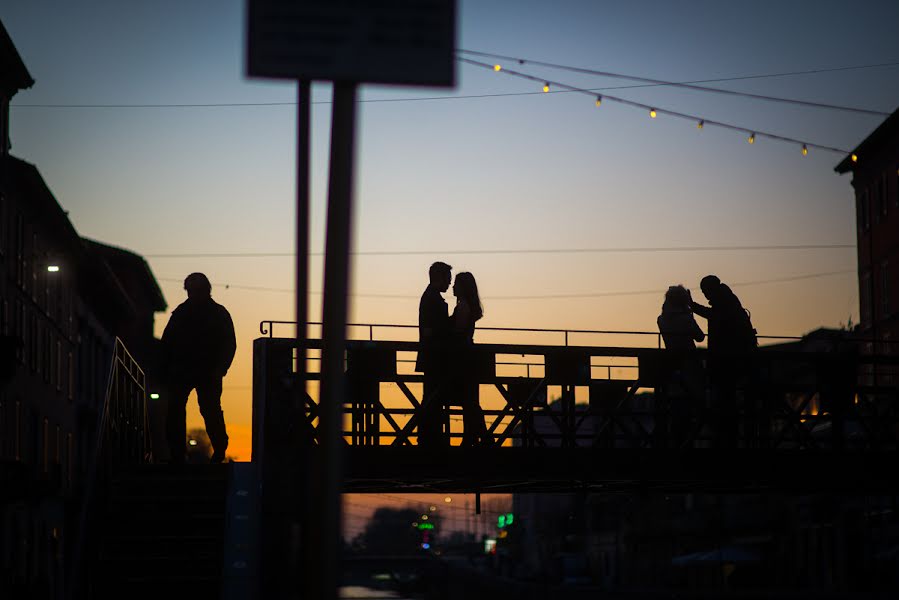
[536, 395]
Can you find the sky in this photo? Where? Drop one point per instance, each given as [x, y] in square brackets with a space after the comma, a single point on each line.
[459, 174]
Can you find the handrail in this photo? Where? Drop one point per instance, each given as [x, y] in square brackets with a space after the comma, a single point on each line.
[123, 366]
[266, 327]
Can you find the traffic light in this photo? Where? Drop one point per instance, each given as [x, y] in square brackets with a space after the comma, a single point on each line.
[505, 520]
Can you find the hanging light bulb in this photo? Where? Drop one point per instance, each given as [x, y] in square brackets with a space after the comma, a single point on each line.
[497, 68]
[546, 87]
[804, 150]
[599, 101]
[854, 158]
[652, 113]
[751, 138]
[700, 125]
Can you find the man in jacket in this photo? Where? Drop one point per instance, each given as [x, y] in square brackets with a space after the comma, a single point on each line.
[198, 346]
[433, 336]
[731, 338]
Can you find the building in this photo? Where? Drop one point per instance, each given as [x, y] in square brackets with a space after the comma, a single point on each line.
[63, 302]
[874, 165]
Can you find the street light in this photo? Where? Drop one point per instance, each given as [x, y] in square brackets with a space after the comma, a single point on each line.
[53, 268]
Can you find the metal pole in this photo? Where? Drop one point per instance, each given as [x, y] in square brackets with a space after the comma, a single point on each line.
[326, 503]
[299, 515]
[302, 225]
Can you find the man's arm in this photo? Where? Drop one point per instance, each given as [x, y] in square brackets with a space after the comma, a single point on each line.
[702, 311]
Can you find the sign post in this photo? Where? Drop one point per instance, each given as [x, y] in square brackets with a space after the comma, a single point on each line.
[393, 42]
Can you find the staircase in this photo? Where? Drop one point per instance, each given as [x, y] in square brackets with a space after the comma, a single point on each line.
[163, 533]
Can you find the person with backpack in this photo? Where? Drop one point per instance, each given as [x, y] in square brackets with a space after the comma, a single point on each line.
[731, 337]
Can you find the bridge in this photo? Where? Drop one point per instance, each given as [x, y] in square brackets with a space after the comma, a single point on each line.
[566, 413]
[581, 411]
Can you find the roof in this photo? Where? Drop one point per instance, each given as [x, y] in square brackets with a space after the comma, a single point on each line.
[883, 135]
[132, 271]
[13, 74]
[96, 281]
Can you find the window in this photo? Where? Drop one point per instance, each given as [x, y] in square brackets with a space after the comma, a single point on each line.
[896, 186]
[71, 388]
[882, 203]
[864, 299]
[20, 250]
[18, 434]
[70, 458]
[60, 366]
[864, 213]
[45, 445]
[34, 252]
[884, 290]
[2, 226]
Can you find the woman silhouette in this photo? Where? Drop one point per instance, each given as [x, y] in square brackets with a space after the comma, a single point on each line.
[467, 312]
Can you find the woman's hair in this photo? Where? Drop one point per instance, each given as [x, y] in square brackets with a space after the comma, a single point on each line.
[468, 290]
[677, 296]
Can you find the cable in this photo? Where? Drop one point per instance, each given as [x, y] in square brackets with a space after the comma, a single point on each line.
[654, 110]
[685, 85]
[431, 98]
[536, 297]
[648, 249]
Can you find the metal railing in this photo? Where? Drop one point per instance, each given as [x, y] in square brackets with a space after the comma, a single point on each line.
[123, 439]
[267, 328]
[777, 399]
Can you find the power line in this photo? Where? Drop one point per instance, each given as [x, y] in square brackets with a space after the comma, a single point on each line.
[457, 252]
[655, 111]
[684, 85]
[435, 98]
[586, 295]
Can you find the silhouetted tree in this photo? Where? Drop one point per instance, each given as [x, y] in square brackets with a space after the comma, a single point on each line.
[390, 531]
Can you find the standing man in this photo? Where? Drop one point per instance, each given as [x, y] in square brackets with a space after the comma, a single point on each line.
[731, 338]
[198, 345]
[433, 336]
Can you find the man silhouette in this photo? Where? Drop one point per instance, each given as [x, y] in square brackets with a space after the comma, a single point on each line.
[731, 336]
[434, 331]
[198, 345]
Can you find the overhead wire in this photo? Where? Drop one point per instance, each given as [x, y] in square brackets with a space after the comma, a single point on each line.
[585, 295]
[439, 98]
[488, 251]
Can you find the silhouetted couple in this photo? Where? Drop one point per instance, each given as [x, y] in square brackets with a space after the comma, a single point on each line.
[446, 358]
[731, 337]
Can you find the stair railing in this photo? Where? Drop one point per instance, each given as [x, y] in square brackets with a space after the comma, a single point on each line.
[122, 440]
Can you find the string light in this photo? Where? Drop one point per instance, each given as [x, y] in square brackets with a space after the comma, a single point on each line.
[497, 68]
[653, 112]
[854, 158]
[804, 150]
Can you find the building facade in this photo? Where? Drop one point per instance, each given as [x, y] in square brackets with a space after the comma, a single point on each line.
[63, 301]
[874, 165]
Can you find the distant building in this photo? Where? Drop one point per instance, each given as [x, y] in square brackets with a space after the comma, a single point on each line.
[63, 301]
[874, 165]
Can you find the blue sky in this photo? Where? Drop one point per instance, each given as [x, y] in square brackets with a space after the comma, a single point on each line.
[542, 171]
